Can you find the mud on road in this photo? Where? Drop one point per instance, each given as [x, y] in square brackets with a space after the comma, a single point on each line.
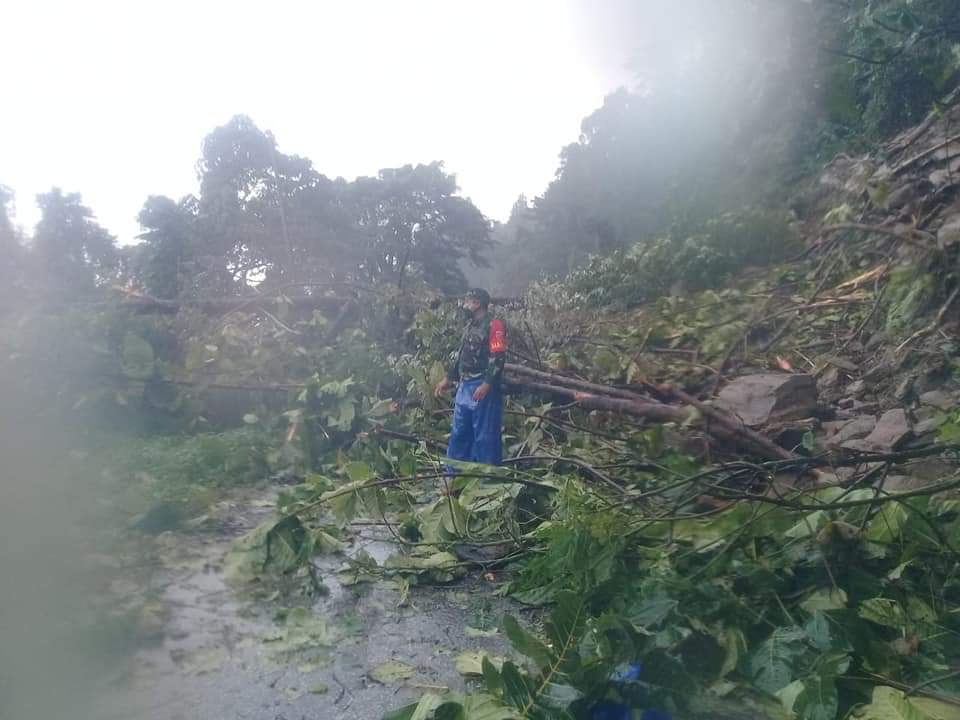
[356, 652]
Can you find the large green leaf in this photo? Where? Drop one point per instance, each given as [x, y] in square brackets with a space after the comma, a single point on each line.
[883, 611]
[476, 706]
[887, 525]
[775, 662]
[526, 643]
[818, 699]
[889, 704]
[651, 611]
[272, 547]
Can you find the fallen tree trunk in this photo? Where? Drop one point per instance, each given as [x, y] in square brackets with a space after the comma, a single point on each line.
[720, 425]
[551, 378]
[650, 410]
[216, 306]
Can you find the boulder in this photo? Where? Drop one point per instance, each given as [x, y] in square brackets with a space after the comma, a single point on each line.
[857, 388]
[892, 429]
[940, 399]
[854, 429]
[930, 425]
[949, 232]
[770, 397]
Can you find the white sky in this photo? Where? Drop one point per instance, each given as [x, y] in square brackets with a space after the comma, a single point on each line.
[113, 99]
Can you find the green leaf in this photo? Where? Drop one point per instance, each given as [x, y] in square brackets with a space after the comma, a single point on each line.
[359, 472]
[883, 611]
[381, 408]
[818, 631]
[889, 704]
[651, 611]
[422, 710]
[734, 645]
[526, 643]
[818, 700]
[808, 526]
[825, 599]
[775, 662]
[491, 676]
[564, 628]
[887, 525]
[391, 671]
[515, 690]
[272, 547]
[471, 662]
[475, 706]
[324, 542]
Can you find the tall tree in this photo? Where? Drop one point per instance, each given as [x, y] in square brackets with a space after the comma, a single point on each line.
[73, 252]
[415, 227]
[11, 248]
[269, 215]
[166, 264]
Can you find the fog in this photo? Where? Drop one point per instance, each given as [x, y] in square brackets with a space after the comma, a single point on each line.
[311, 138]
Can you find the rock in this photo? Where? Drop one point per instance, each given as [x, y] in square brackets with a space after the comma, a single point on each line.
[925, 427]
[942, 176]
[892, 429]
[845, 403]
[844, 474]
[859, 444]
[770, 397]
[949, 232]
[857, 387]
[839, 362]
[908, 194]
[866, 408]
[828, 478]
[884, 367]
[940, 399]
[830, 378]
[901, 483]
[855, 429]
[830, 427]
[904, 389]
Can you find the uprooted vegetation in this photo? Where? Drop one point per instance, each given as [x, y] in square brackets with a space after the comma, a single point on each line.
[789, 553]
[731, 485]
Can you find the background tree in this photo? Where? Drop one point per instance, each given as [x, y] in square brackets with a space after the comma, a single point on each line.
[11, 246]
[165, 261]
[415, 227]
[271, 218]
[72, 252]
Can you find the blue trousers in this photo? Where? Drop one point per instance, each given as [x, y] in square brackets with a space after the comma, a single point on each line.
[476, 433]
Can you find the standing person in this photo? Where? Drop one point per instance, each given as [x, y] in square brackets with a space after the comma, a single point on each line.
[478, 407]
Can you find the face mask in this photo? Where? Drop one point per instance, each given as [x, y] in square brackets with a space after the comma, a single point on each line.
[467, 311]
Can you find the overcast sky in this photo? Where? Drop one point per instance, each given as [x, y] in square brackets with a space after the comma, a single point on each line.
[113, 99]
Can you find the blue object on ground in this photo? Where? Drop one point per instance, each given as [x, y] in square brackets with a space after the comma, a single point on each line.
[609, 710]
[628, 673]
[651, 714]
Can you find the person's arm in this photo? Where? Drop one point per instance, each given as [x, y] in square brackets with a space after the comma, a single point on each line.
[453, 375]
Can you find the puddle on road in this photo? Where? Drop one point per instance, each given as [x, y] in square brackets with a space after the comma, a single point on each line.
[222, 656]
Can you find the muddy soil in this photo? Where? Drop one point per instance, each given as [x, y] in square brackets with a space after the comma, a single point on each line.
[214, 657]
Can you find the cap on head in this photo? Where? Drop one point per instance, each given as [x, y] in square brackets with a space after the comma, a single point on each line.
[478, 294]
